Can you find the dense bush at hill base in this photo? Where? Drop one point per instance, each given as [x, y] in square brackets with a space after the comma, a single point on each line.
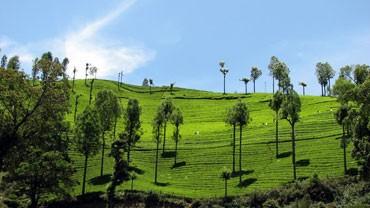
[313, 192]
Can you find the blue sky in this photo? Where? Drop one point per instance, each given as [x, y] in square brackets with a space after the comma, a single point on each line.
[183, 41]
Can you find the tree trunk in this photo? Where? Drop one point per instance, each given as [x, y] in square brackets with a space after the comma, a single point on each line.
[75, 113]
[273, 85]
[293, 157]
[84, 175]
[128, 152]
[73, 82]
[224, 84]
[254, 86]
[246, 88]
[240, 154]
[114, 128]
[234, 128]
[322, 90]
[34, 201]
[176, 152]
[91, 89]
[225, 188]
[102, 156]
[329, 87]
[164, 137]
[344, 150]
[304, 93]
[156, 162]
[277, 133]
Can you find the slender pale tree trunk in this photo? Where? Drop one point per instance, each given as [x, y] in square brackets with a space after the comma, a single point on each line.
[84, 175]
[164, 137]
[176, 142]
[246, 88]
[234, 144]
[293, 149]
[102, 156]
[273, 85]
[277, 133]
[156, 162]
[240, 154]
[254, 86]
[91, 89]
[224, 84]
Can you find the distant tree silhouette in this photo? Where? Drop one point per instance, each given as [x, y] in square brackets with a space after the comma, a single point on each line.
[35, 70]
[177, 120]
[224, 71]
[145, 82]
[275, 105]
[225, 175]
[304, 85]
[13, 63]
[290, 108]
[87, 137]
[245, 80]
[255, 74]
[151, 83]
[4, 61]
[272, 69]
[74, 77]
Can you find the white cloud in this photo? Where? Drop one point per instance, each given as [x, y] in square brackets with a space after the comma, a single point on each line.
[85, 45]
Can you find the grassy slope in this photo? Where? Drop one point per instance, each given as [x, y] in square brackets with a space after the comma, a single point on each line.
[206, 153]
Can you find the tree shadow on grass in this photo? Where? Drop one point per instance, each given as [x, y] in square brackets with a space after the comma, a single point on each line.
[352, 172]
[100, 180]
[179, 164]
[302, 163]
[284, 155]
[243, 172]
[247, 182]
[136, 170]
[302, 178]
[169, 154]
[162, 184]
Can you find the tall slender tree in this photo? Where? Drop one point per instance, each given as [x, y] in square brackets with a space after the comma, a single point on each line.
[255, 74]
[166, 107]
[158, 122]
[87, 137]
[132, 124]
[151, 83]
[245, 80]
[290, 109]
[35, 70]
[343, 120]
[177, 120]
[120, 169]
[224, 71]
[275, 105]
[242, 119]
[108, 108]
[231, 120]
[272, 69]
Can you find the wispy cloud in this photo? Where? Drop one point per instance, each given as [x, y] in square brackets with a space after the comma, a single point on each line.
[85, 45]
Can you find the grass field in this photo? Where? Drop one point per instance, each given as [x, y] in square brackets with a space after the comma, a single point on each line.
[206, 148]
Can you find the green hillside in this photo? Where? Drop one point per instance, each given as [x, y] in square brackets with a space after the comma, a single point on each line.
[206, 148]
